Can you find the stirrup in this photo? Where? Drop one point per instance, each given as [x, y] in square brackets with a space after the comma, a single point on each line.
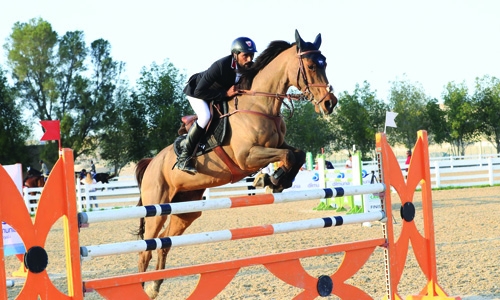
[187, 165]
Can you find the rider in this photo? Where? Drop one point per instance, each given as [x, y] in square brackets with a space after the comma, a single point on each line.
[217, 83]
[92, 168]
[44, 170]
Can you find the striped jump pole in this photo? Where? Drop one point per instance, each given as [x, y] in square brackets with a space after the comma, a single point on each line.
[87, 252]
[85, 218]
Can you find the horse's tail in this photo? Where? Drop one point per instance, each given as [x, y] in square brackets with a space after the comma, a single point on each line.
[139, 174]
[140, 169]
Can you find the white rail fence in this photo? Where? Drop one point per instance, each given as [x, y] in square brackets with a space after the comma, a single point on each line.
[122, 193]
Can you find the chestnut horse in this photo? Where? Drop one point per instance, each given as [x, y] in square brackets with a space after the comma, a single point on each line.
[34, 178]
[256, 138]
[34, 181]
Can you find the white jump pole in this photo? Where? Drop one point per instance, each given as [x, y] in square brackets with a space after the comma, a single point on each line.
[86, 218]
[88, 252]
[9, 283]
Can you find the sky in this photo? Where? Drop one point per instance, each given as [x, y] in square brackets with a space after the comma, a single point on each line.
[425, 42]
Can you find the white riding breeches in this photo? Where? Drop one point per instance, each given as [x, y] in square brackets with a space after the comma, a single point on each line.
[201, 109]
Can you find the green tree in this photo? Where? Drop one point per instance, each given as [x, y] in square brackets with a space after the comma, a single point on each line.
[126, 133]
[435, 122]
[136, 129]
[409, 101]
[13, 128]
[51, 77]
[358, 118]
[160, 92]
[92, 100]
[306, 130]
[461, 123]
[487, 101]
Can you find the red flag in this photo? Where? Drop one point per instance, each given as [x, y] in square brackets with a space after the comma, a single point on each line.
[52, 130]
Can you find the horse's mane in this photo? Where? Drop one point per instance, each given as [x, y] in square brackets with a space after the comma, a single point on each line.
[273, 50]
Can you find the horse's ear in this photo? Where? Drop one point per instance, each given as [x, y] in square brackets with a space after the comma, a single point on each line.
[317, 41]
[298, 40]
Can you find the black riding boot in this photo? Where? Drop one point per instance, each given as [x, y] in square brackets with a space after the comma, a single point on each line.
[185, 161]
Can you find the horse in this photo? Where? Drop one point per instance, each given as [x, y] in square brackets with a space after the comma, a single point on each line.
[103, 177]
[34, 179]
[254, 139]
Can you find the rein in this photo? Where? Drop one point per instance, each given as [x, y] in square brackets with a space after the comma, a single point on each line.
[281, 97]
[276, 119]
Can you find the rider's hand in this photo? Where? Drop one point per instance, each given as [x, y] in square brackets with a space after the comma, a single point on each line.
[233, 91]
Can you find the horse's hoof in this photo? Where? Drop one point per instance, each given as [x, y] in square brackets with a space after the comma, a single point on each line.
[277, 176]
[261, 180]
[151, 292]
[278, 190]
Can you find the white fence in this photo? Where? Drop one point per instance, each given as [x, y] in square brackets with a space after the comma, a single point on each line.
[444, 173]
[464, 171]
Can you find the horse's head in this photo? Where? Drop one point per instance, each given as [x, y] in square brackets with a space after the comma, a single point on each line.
[311, 75]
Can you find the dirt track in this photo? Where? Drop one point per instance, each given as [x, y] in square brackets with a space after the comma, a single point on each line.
[467, 225]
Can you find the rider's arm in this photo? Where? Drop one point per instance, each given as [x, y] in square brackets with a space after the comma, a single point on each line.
[213, 84]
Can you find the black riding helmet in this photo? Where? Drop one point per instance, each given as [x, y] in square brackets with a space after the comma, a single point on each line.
[243, 44]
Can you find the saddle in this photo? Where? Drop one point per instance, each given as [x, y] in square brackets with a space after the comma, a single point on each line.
[213, 139]
[215, 131]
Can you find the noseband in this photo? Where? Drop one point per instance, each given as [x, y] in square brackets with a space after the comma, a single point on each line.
[302, 71]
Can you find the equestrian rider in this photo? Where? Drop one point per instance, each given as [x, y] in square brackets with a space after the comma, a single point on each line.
[44, 170]
[217, 83]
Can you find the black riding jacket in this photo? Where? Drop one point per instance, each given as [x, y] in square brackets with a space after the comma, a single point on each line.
[212, 84]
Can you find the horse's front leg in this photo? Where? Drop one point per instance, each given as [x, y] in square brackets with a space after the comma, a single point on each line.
[284, 178]
[291, 160]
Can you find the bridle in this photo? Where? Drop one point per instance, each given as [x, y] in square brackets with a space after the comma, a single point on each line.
[302, 70]
[306, 92]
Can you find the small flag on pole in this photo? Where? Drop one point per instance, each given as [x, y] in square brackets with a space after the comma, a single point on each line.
[52, 131]
[390, 119]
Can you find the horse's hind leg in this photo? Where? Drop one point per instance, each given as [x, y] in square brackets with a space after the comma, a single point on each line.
[177, 225]
[152, 229]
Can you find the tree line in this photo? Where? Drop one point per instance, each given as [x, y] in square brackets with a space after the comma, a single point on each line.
[54, 77]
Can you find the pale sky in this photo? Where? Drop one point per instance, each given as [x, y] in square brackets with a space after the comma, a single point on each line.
[429, 42]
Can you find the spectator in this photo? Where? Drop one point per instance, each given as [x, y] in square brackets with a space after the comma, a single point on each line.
[408, 157]
[348, 162]
[92, 168]
[83, 174]
[88, 180]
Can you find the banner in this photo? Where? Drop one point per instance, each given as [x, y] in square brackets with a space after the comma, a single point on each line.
[12, 243]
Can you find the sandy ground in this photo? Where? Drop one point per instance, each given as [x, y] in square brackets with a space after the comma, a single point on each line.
[467, 225]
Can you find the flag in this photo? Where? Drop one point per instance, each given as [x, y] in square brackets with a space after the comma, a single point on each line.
[389, 119]
[52, 130]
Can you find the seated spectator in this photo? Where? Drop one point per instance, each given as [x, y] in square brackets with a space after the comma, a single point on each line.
[348, 162]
